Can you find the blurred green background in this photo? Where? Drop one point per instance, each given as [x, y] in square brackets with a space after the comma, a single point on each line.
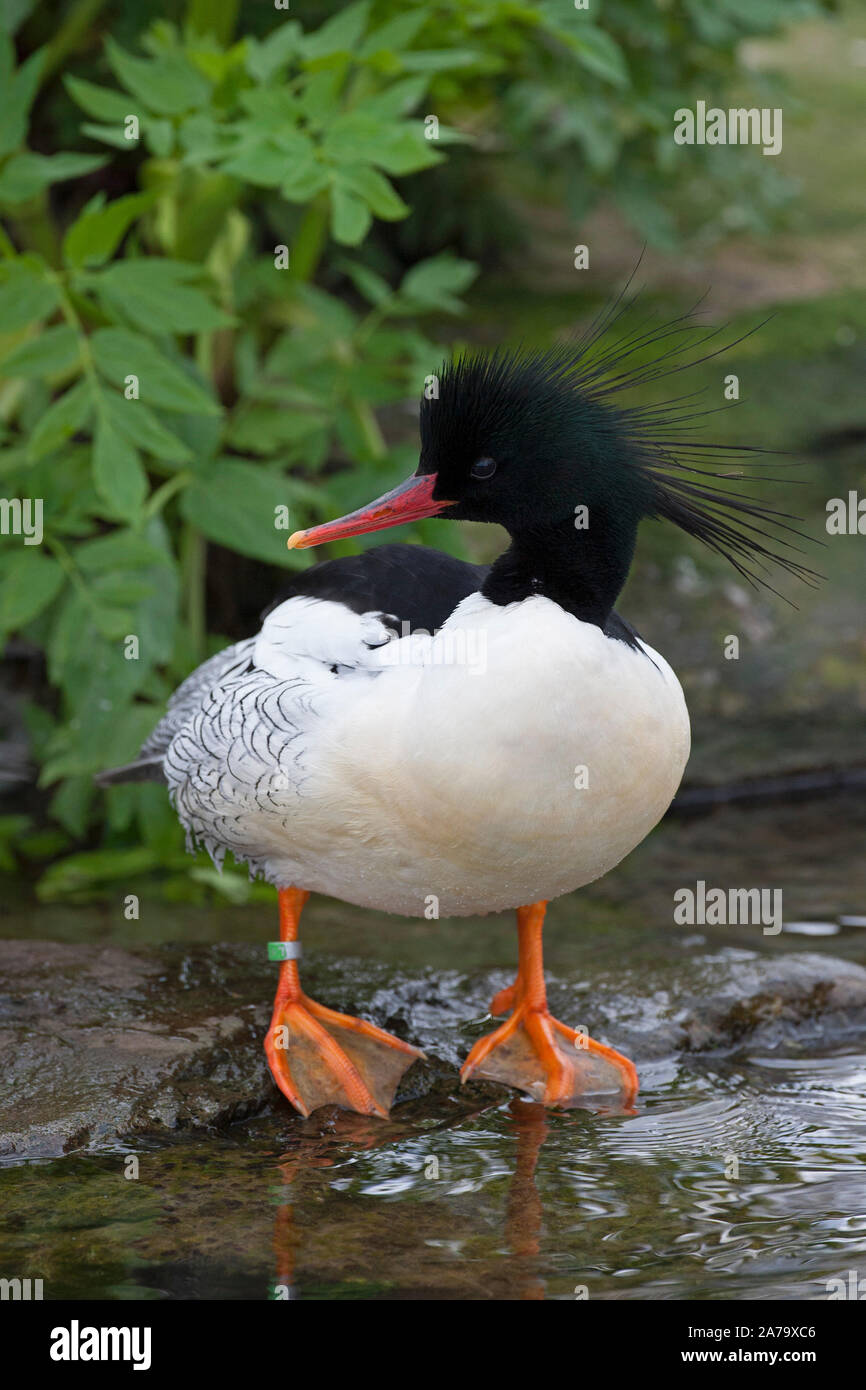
[427, 172]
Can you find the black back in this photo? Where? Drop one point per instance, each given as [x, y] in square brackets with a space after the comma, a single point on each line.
[410, 583]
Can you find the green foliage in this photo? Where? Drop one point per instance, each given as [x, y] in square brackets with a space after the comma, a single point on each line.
[168, 382]
[610, 137]
[24, 174]
[165, 385]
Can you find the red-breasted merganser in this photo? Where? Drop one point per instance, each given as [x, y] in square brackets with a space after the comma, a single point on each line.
[407, 729]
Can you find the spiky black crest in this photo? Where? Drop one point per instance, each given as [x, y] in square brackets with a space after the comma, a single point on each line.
[643, 455]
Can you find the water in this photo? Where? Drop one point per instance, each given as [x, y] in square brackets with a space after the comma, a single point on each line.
[511, 1202]
[741, 1176]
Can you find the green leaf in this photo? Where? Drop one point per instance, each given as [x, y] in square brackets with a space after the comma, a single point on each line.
[11, 828]
[30, 583]
[262, 165]
[350, 216]
[442, 59]
[26, 293]
[202, 138]
[304, 182]
[593, 47]
[234, 887]
[108, 135]
[118, 475]
[162, 382]
[27, 174]
[158, 616]
[375, 190]
[54, 350]
[266, 56]
[235, 505]
[97, 233]
[77, 872]
[322, 94]
[12, 461]
[269, 161]
[352, 137]
[156, 295]
[159, 136]
[17, 94]
[71, 805]
[368, 283]
[201, 434]
[14, 14]
[137, 423]
[63, 418]
[602, 55]
[432, 284]
[215, 19]
[274, 110]
[407, 150]
[398, 147]
[7, 57]
[120, 592]
[80, 661]
[396, 34]
[121, 550]
[268, 429]
[324, 316]
[167, 86]
[340, 34]
[100, 102]
[394, 101]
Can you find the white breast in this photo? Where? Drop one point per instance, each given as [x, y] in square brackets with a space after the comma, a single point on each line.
[517, 755]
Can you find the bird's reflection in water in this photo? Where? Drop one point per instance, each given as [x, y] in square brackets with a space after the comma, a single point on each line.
[524, 1212]
[311, 1151]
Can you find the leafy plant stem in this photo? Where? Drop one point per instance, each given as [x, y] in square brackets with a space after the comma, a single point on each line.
[65, 560]
[309, 243]
[217, 17]
[69, 35]
[365, 418]
[67, 308]
[193, 570]
[35, 229]
[165, 493]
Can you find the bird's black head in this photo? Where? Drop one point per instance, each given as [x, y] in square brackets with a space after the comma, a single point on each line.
[540, 444]
[512, 440]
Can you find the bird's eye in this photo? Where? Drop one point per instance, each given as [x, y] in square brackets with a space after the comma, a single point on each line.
[483, 468]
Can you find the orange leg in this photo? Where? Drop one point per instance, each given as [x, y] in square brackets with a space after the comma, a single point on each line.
[320, 1057]
[528, 1051]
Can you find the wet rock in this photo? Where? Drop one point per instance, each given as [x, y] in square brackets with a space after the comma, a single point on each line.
[100, 1044]
[735, 998]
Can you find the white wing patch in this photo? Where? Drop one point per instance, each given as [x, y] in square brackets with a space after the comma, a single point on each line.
[319, 631]
[236, 767]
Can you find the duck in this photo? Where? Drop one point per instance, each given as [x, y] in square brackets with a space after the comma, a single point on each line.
[415, 734]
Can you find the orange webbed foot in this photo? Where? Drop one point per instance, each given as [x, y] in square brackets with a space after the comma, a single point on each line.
[320, 1057]
[536, 1053]
[551, 1062]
